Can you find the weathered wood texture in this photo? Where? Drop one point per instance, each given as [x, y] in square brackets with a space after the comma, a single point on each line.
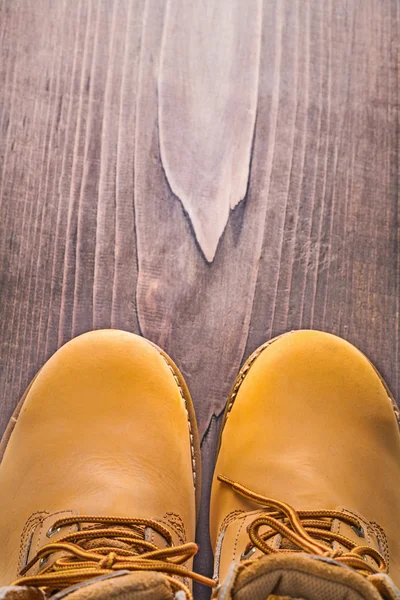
[208, 174]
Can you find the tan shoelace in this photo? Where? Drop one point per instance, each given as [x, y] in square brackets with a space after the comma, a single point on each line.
[115, 544]
[305, 530]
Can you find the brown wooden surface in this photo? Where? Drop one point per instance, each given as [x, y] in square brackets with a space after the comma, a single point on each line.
[207, 174]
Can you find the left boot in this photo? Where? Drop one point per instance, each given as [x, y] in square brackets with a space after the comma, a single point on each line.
[100, 476]
[305, 500]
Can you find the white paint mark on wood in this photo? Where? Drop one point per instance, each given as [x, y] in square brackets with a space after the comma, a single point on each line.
[207, 87]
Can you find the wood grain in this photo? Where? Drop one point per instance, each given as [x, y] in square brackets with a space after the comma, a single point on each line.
[330, 253]
[184, 303]
[206, 175]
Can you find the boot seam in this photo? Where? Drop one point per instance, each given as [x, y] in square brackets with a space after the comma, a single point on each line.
[31, 524]
[191, 437]
[230, 518]
[237, 539]
[178, 528]
[382, 540]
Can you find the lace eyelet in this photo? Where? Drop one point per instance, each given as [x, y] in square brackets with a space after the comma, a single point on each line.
[246, 555]
[359, 531]
[42, 561]
[52, 531]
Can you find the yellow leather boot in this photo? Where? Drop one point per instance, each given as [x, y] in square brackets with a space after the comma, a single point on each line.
[306, 493]
[100, 476]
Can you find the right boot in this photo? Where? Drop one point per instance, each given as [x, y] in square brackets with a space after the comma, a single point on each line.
[100, 476]
[305, 499]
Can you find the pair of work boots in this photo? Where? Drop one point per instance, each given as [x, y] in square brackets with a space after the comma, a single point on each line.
[100, 477]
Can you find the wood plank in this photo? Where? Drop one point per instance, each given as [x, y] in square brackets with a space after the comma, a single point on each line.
[184, 302]
[330, 255]
[67, 233]
[106, 221]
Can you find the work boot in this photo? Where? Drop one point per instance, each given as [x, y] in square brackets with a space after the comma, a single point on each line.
[100, 476]
[305, 499]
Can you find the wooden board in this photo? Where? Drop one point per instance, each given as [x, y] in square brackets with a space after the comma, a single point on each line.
[206, 174]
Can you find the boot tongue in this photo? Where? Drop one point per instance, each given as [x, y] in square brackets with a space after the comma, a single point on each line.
[109, 542]
[104, 541]
[298, 576]
[149, 534]
[286, 544]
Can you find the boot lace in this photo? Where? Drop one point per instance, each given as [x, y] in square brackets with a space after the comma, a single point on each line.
[306, 531]
[107, 545]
